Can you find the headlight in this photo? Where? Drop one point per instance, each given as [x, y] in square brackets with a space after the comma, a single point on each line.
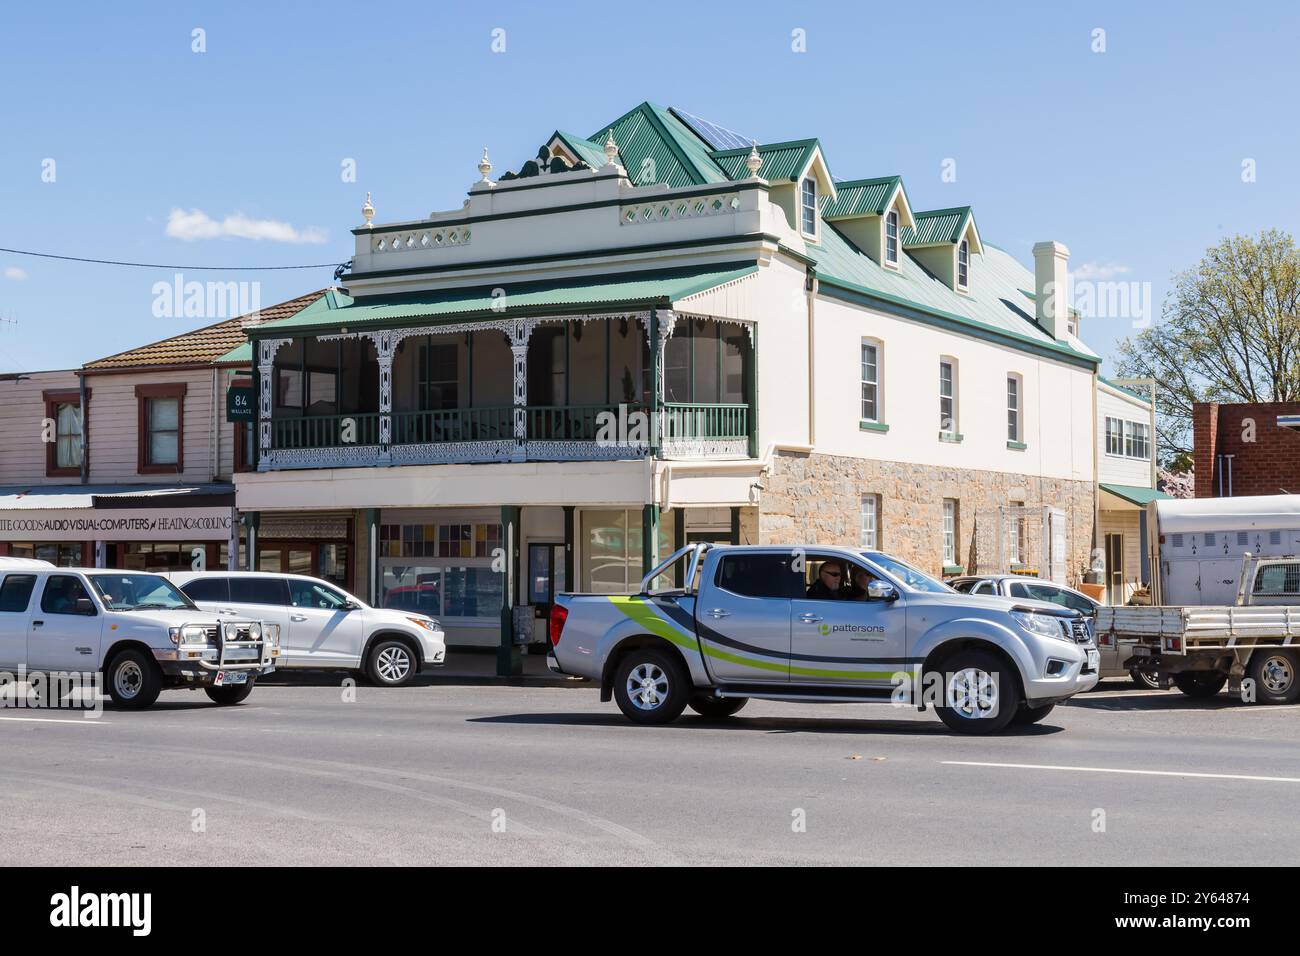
[192, 634]
[254, 631]
[1043, 625]
[272, 632]
[429, 624]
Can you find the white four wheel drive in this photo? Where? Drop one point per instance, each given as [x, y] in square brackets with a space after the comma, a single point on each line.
[321, 625]
[135, 628]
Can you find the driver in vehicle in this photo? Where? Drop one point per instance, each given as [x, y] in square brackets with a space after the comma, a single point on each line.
[829, 583]
[857, 589]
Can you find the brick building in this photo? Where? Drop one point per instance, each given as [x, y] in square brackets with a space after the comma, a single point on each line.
[1246, 449]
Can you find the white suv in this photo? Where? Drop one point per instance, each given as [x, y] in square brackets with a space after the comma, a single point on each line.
[322, 626]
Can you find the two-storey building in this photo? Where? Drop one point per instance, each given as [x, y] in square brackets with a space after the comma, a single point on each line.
[664, 333]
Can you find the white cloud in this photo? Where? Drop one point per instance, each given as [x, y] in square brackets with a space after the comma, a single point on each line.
[197, 224]
[13, 272]
[1089, 271]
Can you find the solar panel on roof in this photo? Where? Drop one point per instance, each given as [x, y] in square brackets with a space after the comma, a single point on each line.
[718, 137]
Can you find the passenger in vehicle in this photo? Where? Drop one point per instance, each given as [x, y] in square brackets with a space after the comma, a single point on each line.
[857, 589]
[829, 585]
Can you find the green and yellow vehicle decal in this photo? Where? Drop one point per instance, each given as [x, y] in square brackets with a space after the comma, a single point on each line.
[654, 618]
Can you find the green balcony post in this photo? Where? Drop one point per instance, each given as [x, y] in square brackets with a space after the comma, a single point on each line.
[509, 660]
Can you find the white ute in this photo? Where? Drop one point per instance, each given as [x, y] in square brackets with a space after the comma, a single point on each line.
[135, 628]
[323, 625]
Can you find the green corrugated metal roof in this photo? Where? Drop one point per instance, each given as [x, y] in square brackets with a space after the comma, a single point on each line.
[995, 301]
[626, 290]
[935, 226]
[780, 160]
[860, 197]
[243, 354]
[1135, 495]
[656, 147]
[1145, 399]
[591, 153]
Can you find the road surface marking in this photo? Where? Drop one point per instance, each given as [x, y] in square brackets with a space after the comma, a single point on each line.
[1144, 773]
[52, 720]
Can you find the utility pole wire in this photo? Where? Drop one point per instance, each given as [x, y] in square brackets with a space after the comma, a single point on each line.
[159, 265]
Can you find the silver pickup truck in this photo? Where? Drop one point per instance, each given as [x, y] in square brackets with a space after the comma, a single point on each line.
[819, 624]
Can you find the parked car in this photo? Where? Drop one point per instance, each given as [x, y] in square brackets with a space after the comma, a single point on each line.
[323, 625]
[749, 623]
[1114, 654]
[1199, 648]
[135, 628]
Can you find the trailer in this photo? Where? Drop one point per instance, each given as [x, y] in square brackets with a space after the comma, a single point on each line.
[1253, 644]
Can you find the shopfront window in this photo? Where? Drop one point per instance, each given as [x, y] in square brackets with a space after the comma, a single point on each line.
[63, 553]
[445, 569]
[611, 549]
[160, 556]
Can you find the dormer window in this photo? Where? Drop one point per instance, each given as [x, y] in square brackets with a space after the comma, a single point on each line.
[963, 265]
[891, 237]
[808, 206]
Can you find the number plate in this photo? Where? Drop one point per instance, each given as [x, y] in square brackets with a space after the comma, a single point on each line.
[1141, 650]
[1094, 659]
[226, 678]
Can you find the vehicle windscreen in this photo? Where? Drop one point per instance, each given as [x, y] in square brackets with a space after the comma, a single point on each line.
[917, 580]
[138, 592]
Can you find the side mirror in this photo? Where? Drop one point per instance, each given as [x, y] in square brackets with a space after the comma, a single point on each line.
[881, 591]
[85, 606]
[349, 606]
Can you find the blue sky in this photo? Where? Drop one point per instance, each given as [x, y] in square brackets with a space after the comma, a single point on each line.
[1132, 157]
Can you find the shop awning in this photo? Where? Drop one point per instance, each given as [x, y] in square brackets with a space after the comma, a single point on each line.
[61, 497]
[1134, 494]
[626, 291]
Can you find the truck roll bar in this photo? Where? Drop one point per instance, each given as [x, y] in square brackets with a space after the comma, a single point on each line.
[696, 551]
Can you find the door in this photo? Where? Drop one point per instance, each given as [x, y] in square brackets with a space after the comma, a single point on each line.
[841, 636]
[15, 603]
[64, 630]
[323, 628]
[1115, 569]
[743, 617]
[262, 597]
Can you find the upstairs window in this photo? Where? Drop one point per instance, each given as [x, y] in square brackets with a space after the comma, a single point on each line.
[160, 443]
[870, 382]
[1114, 436]
[947, 396]
[1013, 408]
[1137, 440]
[891, 237]
[963, 265]
[808, 206]
[63, 453]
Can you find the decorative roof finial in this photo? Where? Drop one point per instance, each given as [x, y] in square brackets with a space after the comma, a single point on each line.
[485, 166]
[367, 210]
[611, 148]
[753, 162]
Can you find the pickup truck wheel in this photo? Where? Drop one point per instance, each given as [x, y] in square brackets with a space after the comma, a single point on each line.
[233, 694]
[716, 708]
[1276, 677]
[1145, 681]
[391, 663]
[133, 679]
[981, 696]
[1026, 716]
[1200, 685]
[650, 686]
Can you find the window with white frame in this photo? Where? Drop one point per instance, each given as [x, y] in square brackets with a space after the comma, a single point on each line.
[947, 396]
[1016, 533]
[1114, 436]
[891, 237]
[1013, 408]
[808, 211]
[870, 382]
[963, 264]
[870, 522]
[949, 532]
[1137, 440]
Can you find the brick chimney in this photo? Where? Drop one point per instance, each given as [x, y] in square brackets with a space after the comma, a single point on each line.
[1205, 440]
[1052, 288]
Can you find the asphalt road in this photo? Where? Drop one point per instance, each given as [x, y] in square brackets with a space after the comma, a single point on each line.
[437, 774]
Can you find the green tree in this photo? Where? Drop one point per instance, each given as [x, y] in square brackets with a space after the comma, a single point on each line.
[1228, 332]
